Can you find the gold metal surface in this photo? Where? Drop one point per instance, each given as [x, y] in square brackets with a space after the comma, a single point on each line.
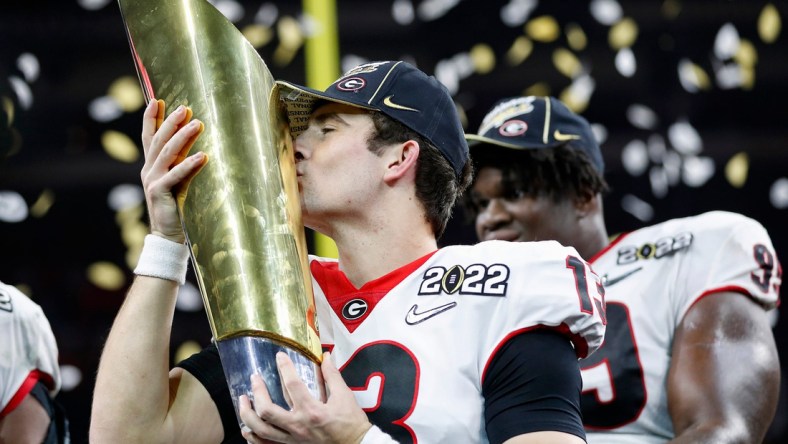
[241, 214]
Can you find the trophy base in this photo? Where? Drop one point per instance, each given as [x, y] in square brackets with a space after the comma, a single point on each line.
[246, 355]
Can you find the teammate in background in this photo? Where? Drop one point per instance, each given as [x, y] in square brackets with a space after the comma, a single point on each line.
[688, 356]
[29, 374]
[464, 344]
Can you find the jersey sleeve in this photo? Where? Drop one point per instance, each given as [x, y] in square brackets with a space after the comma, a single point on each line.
[549, 287]
[533, 385]
[729, 252]
[28, 350]
[206, 366]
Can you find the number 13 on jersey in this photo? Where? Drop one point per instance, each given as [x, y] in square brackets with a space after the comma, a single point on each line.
[588, 303]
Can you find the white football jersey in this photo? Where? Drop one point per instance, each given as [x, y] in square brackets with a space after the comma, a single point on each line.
[28, 351]
[414, 344]
[652, 277]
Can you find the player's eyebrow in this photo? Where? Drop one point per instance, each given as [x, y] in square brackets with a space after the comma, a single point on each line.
[321, 119]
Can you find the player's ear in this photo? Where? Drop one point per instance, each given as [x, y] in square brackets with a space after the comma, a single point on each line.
[401, 161]
[587, 203]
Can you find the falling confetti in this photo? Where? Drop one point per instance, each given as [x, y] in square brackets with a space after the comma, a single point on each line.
[106, 275]
[736, 169]
[542, 29]
[769, 24]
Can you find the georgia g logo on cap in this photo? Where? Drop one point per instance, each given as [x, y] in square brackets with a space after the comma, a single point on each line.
[513, 128]
[352, 84]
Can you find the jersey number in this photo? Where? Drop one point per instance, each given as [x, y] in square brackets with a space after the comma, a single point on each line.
[614, 390]
[769, 266]
[398, 377]
[587, 303]
[5, 301]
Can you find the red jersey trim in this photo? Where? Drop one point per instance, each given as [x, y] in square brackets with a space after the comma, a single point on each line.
[728, 288]
[615, 242]
[342, 295]
[27, 385]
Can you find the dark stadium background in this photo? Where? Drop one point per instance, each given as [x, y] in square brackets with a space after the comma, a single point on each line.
[59, 60]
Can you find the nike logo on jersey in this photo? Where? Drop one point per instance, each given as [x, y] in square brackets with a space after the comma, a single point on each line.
[414, 317]
[606, 282]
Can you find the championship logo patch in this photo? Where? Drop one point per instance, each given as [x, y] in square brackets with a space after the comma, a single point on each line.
[351, 84]
[476, 280]
[667, 246]
[453, 279]
[354, 309]
[513, 128]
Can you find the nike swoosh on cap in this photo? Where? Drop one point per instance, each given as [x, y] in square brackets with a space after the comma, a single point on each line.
[413, 317]
[561, 137]
[387, 101]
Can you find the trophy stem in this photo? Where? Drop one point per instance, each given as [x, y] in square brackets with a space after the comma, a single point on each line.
[246, 355]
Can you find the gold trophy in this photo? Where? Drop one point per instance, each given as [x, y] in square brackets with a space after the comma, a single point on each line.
[241, 213]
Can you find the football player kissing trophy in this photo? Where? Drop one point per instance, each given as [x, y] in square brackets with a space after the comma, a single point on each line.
[241, 213]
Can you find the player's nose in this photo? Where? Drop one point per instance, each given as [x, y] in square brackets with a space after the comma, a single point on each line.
[494, 215]
[301, 147]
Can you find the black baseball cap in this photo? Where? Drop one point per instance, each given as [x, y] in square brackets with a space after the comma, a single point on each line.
[398, 90]
[534, 122]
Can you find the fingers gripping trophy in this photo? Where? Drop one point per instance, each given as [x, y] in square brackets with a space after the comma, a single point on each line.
[241, 213]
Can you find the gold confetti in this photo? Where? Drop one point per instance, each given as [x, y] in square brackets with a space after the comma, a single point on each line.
[42, 205]
[538, 89]
[8, 109]
[566, 62]
[693, 77]
[519, 51]
[132, 257]
[747, 77]
[127, 93]
[737, 169]
[289, 31]
[542, 29]
[133, 234]
[290, 40]
[573, 101]
[769, 24]
[576, 37]
[130, 214]
[257, 35]
[106, 275]
[120, 146]
[746, 55]
[483, 58]
[623, 34]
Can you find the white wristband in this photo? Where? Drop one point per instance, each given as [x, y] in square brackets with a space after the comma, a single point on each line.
[376, 436]
[163, 259]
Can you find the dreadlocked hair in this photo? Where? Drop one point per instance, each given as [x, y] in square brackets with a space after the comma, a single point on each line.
[437, 185]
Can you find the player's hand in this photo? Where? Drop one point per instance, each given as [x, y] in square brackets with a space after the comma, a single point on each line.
[166, 143]
[338, 420]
